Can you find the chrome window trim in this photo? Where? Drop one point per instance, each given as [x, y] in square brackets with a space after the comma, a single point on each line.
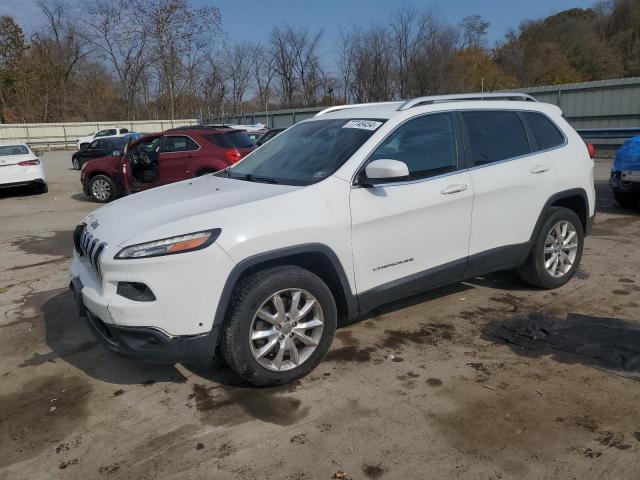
[354, 183]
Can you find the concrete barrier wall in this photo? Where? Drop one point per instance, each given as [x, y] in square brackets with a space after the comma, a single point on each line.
[66, 134]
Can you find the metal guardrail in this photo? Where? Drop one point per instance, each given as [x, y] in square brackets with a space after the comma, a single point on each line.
[608, 133]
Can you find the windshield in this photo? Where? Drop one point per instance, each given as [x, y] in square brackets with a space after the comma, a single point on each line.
[305, 153]
[13, 150]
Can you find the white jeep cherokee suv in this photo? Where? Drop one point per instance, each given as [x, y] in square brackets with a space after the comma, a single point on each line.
[351, 209]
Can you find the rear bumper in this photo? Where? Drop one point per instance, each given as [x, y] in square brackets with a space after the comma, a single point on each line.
[627, 181]
[147, 344]
[37, 181]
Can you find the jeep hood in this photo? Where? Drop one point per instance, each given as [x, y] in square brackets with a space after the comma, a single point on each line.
[128, 217]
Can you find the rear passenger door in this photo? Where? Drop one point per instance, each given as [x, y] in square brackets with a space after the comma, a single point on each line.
[176, 155]
[512, 180]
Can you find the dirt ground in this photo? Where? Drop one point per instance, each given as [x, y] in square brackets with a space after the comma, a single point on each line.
[487, 379]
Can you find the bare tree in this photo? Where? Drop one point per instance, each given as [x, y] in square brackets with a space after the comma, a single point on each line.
[304, 46]
[237, 62]
[474, 31]
[346, 63]
[372, 66]
[121, 43]
[60, 47]
[432, 65]
[179, 37]
[263, 73]
[406, 35]
[284, 62]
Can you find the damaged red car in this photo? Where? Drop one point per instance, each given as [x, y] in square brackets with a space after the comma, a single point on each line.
[162, 158]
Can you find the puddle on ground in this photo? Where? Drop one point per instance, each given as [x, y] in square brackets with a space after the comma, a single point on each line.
[231, 406]
[40, 415]
[607, 343]
[60, 244]
[428, 333]
[350, 353]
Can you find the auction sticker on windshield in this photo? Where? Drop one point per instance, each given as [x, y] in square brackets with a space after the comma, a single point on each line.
[362, 124]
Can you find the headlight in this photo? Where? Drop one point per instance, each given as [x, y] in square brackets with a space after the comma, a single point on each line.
[169, 246]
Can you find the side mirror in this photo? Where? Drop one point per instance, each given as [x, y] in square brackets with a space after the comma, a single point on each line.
[385, 171]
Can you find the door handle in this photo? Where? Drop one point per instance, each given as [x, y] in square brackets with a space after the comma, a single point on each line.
[540, 169]
[453, 189]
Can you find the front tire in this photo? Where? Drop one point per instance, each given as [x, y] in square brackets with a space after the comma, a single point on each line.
[556, 251]
[75, 162]
[280, 325]
[102, 189]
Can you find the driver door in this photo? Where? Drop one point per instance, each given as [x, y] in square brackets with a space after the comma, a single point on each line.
[129, 168]
[413, 234]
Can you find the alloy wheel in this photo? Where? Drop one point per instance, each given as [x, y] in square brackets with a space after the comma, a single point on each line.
[101, 189]
[286, 329]
[560, 249]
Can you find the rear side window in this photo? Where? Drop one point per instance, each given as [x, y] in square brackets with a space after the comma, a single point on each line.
[547, 135]
[426, 144]
[495, 135]
[239, 139]
[219, 140]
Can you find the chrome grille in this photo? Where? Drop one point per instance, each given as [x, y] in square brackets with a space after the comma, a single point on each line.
[92, 249]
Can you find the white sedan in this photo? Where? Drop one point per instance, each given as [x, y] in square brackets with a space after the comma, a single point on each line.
[107, 132]
[19, 166]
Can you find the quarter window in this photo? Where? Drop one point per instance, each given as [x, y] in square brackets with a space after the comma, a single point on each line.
[544, 131]
[495, 135]
[179, 144]
[426, 144]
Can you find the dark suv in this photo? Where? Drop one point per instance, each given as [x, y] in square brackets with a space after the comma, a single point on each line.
[162, 158]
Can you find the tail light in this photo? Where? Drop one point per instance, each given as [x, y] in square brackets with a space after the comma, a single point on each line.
[233, 155]
[29, 163]
[592, 150]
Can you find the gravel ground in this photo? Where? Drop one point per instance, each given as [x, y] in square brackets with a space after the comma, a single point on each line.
[483, 379]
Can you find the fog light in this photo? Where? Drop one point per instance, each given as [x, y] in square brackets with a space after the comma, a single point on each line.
[136, 291]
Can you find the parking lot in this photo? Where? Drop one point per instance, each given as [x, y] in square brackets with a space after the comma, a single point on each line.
[483, 379]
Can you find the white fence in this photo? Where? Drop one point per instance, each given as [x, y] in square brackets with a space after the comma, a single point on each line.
[66, 134]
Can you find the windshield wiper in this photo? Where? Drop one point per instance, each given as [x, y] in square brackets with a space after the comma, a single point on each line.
[252, 178]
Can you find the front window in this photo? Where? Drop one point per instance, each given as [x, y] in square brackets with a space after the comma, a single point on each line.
[13, 150]
[426, 144]
[305, 153]
[148, 144]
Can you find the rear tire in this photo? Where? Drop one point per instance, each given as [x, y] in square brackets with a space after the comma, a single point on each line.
[75, 163]
[285, 350]
[626, 199]
[42, 188]
[102, 189]
[561, 237]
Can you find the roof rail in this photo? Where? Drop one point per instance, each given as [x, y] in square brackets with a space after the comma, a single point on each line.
[415, 102]
[342, 107]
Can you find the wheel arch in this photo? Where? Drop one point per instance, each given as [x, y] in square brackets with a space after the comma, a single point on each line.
[574, 199]
[317, 258]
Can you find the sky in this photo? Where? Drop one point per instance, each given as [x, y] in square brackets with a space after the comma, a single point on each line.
[253, 19]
